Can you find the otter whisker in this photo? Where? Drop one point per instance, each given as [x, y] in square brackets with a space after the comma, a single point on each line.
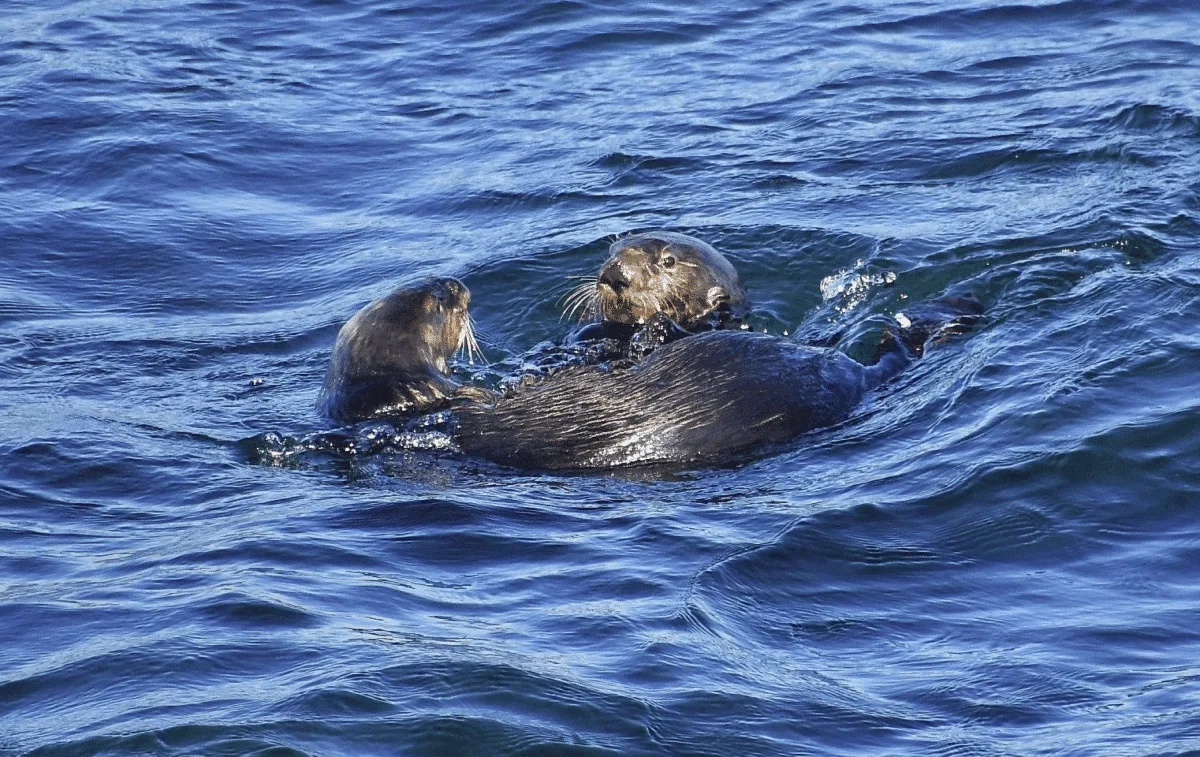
[580, 290]
[572, 303]
[649, 303]
[572, 311]
[601, 300]
[462, 337]
[577, 290]
[467, 344]
[580, 300]
[473, 349]
[583, 307]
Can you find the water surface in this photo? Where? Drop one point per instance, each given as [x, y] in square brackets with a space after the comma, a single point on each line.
[996, 555]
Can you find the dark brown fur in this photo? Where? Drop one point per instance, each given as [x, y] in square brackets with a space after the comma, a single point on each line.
[707, 398]
[711, 398]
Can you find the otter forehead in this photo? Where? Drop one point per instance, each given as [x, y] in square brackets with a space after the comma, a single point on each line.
[451, 293]
[425, 300]
[693, 255]
[451, 288]
[655, 241]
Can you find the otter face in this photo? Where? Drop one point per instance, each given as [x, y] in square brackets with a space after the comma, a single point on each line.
[411, 330]
[663, 272]
[445, 323]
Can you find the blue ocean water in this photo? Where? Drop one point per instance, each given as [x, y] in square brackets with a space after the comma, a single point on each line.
[998, 554]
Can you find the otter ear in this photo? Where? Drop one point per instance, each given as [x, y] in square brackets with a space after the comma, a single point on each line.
[718, 297]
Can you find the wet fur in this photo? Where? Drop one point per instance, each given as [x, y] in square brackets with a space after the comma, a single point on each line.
[712, 397]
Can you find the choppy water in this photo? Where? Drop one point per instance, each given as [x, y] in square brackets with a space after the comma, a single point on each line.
[997, 555]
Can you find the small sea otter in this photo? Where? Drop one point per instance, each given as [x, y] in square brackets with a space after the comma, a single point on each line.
[390, 358]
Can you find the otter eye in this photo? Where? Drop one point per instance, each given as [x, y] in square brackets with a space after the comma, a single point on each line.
[668, 261]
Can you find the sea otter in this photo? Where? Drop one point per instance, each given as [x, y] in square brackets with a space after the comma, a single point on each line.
[710, 398]
[390, 358]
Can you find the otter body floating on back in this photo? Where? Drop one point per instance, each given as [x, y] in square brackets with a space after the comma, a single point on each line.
[708, 398]
[711, 398]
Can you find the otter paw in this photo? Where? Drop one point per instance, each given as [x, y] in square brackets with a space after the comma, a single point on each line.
[657, 331]
[474, 394]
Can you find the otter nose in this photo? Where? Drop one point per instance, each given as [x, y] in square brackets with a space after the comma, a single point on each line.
[612, 277]
[445, 289]
[457, 289]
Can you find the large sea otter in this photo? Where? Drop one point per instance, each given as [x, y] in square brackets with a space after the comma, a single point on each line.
[710, 398]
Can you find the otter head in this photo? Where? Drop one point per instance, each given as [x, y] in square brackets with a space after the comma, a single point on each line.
[412, 330]
[390, 358]
[663, 272]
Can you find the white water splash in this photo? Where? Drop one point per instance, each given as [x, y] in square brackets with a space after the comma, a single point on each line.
[851, 286]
